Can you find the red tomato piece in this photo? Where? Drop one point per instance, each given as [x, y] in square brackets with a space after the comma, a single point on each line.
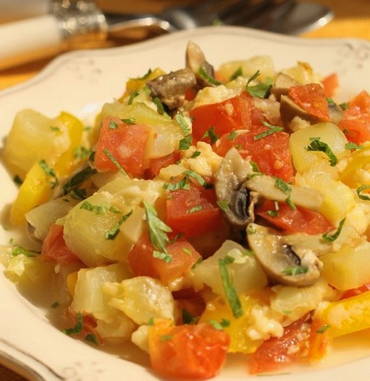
[299, 220]
[142, 262]
[54, 248]
[187, 351]
[356, 120]
[232, 114]
[271, 153]
[330, 84]
[193, 212]
[125, 143]
[312, 99]
[155, 165]
[355, 291]
[277, 352]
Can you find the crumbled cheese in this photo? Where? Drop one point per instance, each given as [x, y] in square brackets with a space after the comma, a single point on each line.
[263, 324]
[217, 94]
[206, 164]
[140, 338]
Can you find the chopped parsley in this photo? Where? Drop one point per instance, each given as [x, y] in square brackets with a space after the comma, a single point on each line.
[362, 196]
[317, 145]
[271, 130]
[183, 123]
[17, 180]
[150, 321]
[211, 134]
[255, 166]
[160, 106]
[56, 129]
[195, 154]
[182, 184]
[223, 205]
[253, 77]
[110, 156]
[98, 209]
[112, 233]
[283, 186]
[219, 325]
[290, 203]
[344, 106]
[251, 229]
[352, 146]
[230, 292]
[78, 194]
[185, 143]
[82, 153]
[186, 251]
[208, 78]
[195, 209]
[232, 135]
[197, 177]
[332, 237]
[165, 338]
[330, 102]
[262, 89]
[237, 73]
[129, 121]
[272, 213]
[19, 250]
[323, 328]
[133, 95]
[49, 172]
[295, 270]
[78, 179]
[157, 232]
[78, 326]
[187, 317]
[91, 338]
[112, 125]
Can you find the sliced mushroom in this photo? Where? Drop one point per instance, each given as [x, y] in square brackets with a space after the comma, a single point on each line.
[267, 187]
[289, 109]
[282, 84]
[171, 88]
[292, 265]
[195, 61]
[239, 201]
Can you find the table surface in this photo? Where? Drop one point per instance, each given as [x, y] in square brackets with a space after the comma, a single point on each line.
[352, 19]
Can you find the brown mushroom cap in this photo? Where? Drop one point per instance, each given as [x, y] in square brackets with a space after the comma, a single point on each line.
[292, 265]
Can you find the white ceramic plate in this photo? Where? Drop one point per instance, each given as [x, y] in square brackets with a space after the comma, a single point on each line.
[80, 82]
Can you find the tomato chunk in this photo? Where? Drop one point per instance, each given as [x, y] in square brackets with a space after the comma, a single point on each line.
[125, 143]
[312, 99]
[277, 352]
[356, 120]
[187, 351]
[54, 248]
[232, 114]
[299, 220]
[155, 165]
[271, 153]
[193, 212]
[141, 260]
[330, 84]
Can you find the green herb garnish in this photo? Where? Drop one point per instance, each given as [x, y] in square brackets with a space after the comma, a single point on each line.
[97, 209]
[164, 256]
[133, 95]
[56, 129]
[160, 107]
[129, 121]
[232, 135]
[219, 325]
[330, 102]
[195, 209]
[206, 77]
[82, 153]
[344, 106]
[182, 184]
[91, 338]
[352, 146]
[112, 233]
[362, 196]
[187, 317]
[230, 292]
[78, 326]
[295, 270]
[195, 154]
[317, 145]
[183, 123]
[223, 205]
[271, 130]
[332, 237]
[283, 186]
[211, 134]
[49, 172]
[323, 328]
[19, 250]
[260, 90]
[112, 125]
[110, 156]
[185, 143]
[150, 321]
[237, 73]
[197, 177]
[78, 194]
[78, 179]
[253, 77]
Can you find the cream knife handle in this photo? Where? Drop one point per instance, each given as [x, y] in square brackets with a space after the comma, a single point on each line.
[28, 40]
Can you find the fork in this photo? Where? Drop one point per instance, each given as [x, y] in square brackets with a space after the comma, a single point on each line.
[76, 24]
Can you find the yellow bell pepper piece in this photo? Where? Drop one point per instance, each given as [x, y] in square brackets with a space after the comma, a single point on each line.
[35, 190]
[351, 175]
[347, 315]
[135, 84]
[218, 310]
[67, 162]
[37, 186]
